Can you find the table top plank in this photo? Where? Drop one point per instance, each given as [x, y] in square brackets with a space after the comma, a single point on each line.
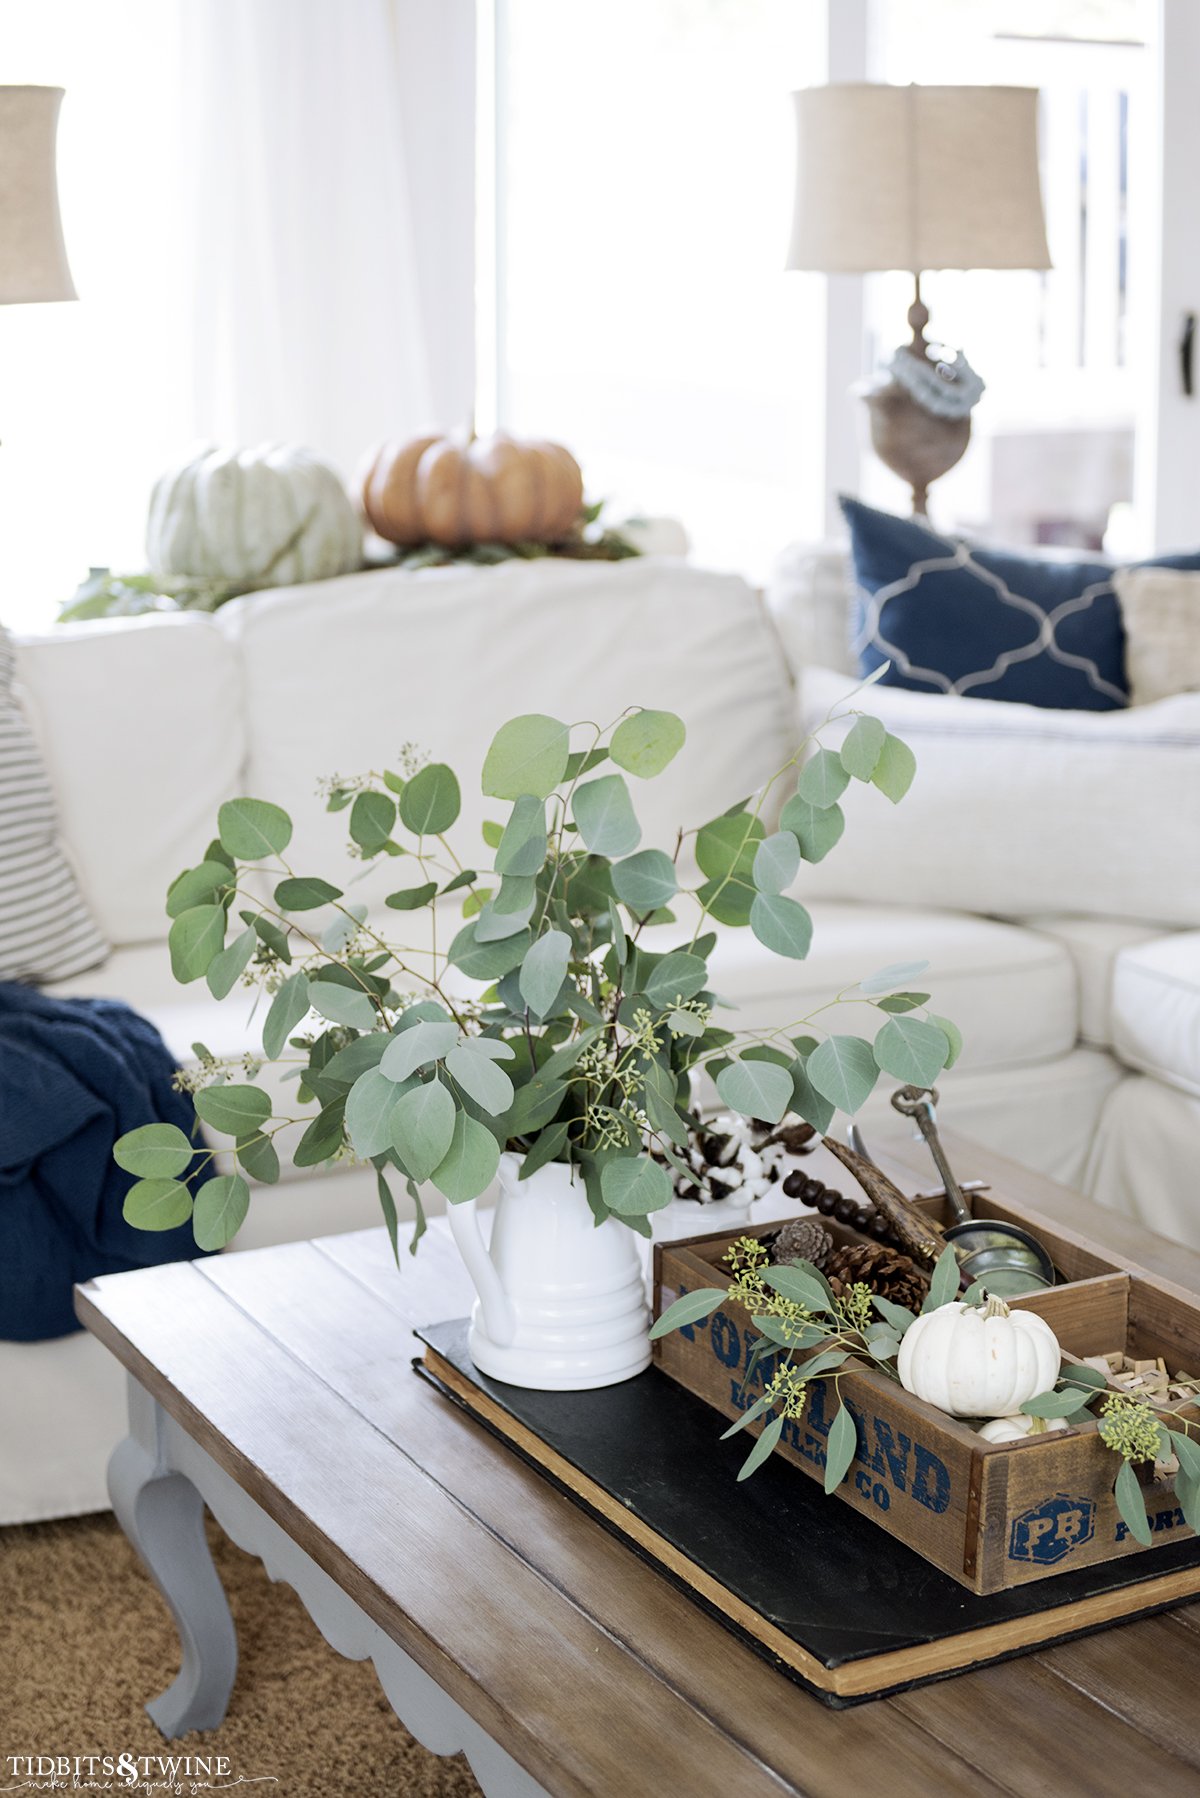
[1151, 1682]
[1016, 1718]
[1188, 1617]
[303, 1296]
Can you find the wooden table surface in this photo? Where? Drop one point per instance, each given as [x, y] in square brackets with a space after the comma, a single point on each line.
[291, 1367]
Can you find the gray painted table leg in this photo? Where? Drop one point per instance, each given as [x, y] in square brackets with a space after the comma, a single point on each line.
[162, 1514]
[159, 1480]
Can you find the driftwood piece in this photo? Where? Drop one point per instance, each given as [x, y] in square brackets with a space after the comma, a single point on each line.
[910, 1227]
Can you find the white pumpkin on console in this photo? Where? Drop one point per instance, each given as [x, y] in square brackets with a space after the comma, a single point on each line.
[272, 516]
[978, 1360]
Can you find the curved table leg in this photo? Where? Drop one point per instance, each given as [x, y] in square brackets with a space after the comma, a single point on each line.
[156, 1480]
[163, 1516]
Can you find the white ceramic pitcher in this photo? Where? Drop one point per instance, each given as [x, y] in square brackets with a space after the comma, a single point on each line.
[562, 1305]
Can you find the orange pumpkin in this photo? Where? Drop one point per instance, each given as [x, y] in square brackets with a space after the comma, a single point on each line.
[458, 490]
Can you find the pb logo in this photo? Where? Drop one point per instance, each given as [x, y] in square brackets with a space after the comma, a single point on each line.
[1052, 1529]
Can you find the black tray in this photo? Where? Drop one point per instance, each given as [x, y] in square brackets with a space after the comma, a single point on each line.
[836, 1603]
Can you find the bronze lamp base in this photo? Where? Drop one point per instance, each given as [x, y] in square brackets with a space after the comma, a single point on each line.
[915, 443]
[912, 442]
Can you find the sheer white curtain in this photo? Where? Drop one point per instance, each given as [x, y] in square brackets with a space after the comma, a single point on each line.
[268, 209]
[644, 316]
[305, 304]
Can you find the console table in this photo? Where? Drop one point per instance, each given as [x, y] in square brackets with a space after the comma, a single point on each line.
[275, 1387]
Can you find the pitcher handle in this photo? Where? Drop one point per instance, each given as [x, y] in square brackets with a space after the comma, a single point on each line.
[499, 1317]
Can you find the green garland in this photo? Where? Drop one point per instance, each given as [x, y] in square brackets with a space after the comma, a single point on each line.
[107, 595]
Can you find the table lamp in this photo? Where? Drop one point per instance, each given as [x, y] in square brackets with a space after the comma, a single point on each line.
[918, 178]
[33, 256]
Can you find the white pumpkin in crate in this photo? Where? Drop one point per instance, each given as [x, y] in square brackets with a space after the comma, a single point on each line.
[270, 516]
[1016, 1429]
[979, 1360]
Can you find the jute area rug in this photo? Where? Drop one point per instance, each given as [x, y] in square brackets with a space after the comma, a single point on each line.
[85, 1640]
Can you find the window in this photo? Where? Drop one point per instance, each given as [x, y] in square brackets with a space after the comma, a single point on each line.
[644, 178]
[635, 189]
[1062, 352]
[644, 164]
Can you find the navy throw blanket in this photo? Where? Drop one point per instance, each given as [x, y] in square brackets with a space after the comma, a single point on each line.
[75, 1074]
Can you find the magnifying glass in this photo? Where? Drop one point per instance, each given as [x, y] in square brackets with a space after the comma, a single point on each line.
[1006, 1258]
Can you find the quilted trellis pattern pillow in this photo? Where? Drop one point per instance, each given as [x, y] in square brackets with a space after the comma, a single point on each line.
[46, 930]
[951, 618]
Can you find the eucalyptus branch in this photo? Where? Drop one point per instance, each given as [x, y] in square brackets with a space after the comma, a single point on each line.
[558, 834]
[418, 1091]
[753, 817]
[290, 925]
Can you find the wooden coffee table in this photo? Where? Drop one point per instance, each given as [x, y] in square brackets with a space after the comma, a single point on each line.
[275, 1387]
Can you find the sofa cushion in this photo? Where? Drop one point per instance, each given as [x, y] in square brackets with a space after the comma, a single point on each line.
[953, 618]
[187, 1015]
[46, 928]
[1017, 810]
[1156, 1009]
[1093, 945]
[1011, 993]
[339, 676]
[141, 975]
[140, 721]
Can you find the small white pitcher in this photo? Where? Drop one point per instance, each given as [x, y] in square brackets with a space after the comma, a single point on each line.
[562, 1305]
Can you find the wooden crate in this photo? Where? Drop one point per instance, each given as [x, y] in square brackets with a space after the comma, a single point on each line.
[992, 1515]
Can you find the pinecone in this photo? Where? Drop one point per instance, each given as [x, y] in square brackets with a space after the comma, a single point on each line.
[885, 1270]
[802, 1240]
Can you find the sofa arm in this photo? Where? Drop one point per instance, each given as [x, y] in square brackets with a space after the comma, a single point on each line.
[1020, 809]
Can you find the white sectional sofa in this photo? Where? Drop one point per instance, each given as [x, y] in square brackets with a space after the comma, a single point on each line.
[1082, 1033]
[1083, 828]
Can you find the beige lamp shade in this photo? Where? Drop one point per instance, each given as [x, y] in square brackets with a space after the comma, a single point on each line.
[917, 178]
[33, 256]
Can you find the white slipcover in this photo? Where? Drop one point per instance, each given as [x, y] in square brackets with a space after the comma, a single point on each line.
[1016, 809]
[340, 675]
[1156, 1009]
[1012, 994]
[1144, 1157]
[810, 596]
[142, 725]
[1093, 945]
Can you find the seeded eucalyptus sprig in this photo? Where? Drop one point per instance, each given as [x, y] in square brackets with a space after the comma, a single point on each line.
[1136, 1429]
[521, 1006]
[805, 1332]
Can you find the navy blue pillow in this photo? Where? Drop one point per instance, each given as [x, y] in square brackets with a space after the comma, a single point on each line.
[955, 619]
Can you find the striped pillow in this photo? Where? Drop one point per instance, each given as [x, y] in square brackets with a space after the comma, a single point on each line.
[46, 930]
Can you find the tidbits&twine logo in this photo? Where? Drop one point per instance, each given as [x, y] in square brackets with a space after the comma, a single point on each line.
[178, 1774]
